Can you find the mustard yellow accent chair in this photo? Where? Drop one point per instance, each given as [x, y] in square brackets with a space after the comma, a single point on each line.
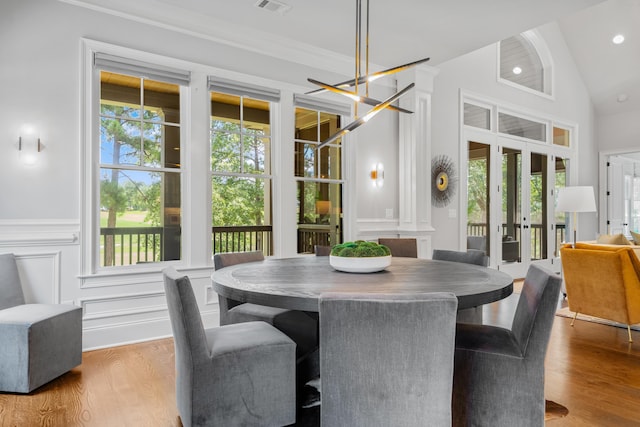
[603, 281]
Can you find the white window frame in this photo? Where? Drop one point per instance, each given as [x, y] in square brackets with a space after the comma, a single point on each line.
[90, 152]
[537, 41]
[344, 112]
[491, 137]
[262, 93]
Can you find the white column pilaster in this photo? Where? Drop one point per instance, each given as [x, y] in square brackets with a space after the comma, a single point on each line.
[414, 158]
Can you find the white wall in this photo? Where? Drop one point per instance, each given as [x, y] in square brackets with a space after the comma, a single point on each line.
[41, 207]
[41, 216]
[619, 132]
[476, 73]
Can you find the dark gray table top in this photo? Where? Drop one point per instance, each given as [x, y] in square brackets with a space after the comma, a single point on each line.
[296, 283]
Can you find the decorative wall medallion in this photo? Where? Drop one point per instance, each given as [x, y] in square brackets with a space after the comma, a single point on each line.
[443, 180]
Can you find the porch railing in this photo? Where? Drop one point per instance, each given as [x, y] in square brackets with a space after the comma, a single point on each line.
[310, 235]
[537, 241]
[243, 238]
[130, 245]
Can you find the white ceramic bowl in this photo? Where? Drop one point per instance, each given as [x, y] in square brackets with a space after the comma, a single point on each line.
[360, 265]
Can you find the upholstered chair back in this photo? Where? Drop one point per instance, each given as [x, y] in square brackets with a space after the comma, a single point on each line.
[227, 259]
[471, 256]
[386, 360]
[11, 293]
[401, 246]
[499, 373]
[322, 250]
[232, 258]
[188, 333]
[535, 312]
[588, 269]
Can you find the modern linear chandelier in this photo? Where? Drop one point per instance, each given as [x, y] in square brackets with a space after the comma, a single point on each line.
[363, 79]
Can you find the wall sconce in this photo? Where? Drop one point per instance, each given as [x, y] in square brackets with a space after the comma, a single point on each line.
[323, 207]
[29, 146]
[377, 174]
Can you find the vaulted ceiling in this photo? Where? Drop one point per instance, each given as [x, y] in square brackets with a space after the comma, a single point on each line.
[406, 30]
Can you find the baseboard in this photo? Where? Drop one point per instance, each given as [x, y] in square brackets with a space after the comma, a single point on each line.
[112, 335]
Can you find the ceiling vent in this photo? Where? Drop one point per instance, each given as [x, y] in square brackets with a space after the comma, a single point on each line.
[273, 6]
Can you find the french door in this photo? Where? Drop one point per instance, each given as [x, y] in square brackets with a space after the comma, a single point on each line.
[511, 189]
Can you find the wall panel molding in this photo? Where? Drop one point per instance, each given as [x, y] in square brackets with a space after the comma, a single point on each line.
[38, 232]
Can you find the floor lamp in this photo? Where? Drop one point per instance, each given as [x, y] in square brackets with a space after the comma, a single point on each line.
[576, 199]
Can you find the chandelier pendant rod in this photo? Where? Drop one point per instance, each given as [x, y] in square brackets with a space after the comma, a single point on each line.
[357, 54]
[366, 72]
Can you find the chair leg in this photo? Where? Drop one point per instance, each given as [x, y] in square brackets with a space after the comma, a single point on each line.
[574, 318]
[629, 332]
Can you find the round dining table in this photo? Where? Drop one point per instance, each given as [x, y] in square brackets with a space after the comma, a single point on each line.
[297, 283]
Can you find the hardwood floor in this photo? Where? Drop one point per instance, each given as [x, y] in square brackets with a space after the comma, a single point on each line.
[590, 368]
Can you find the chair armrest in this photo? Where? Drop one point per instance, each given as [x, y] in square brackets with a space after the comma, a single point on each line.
[28, 314]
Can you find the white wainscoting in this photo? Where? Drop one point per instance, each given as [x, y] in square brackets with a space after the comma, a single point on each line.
[137, 311]
[40, 276]
[118, 308]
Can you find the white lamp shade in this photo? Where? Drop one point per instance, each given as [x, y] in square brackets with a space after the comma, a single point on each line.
[576, 199]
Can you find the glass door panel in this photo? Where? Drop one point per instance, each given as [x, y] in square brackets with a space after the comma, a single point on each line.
[511, 205]
[561, 168]
[478, 196]
[538, 226]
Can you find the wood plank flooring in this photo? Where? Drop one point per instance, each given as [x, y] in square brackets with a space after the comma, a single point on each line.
[590, 368]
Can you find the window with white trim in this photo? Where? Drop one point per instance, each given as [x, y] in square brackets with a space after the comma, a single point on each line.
[318, 173]
[241, 179]
[524, 61]
[138, 149]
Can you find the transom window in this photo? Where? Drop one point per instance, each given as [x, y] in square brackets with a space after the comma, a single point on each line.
[524, 62]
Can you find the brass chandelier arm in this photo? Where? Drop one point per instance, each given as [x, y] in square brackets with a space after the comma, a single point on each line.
[358, 98]
[362, 120]
[373, 76]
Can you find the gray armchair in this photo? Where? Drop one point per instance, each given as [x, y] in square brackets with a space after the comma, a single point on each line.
[386, 360]
[297, 325]
[242, 374]
[38, 342]
[499, 373]
[471, 256]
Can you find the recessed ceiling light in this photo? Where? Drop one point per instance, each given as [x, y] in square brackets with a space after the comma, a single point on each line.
[517, 70]
[618, 39]
[623, 97]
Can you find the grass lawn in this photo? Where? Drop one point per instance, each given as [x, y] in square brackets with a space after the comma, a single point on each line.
[126, 219]
[130, 248]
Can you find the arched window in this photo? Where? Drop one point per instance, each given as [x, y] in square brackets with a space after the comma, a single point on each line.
[525, 61]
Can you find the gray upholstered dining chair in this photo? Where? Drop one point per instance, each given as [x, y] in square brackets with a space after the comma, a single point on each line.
[297, 325]
[38, 342]
[471, 256]
[499, 373]
[401, 246]
[242, 374]
[321, 250]
[386, 360]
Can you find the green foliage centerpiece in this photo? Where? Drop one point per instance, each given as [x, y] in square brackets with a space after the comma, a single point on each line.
[360, 257]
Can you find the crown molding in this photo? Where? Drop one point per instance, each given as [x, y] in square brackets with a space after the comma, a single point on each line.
[218, 31]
